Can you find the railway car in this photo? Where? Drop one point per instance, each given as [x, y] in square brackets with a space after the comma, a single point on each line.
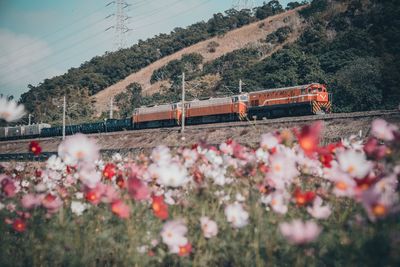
[3, 132]
[34, 129]
[221, 109]
[167, 115]
[14, 131]
[297, 100]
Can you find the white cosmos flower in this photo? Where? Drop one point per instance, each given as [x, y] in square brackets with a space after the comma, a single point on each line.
[318, 211]
[354, 163]
[278, 201]
[269, 141]
[55, 163]
[90, 177]
[236, 215]
[173, 175]
[161, 155]
[78, 148]
[209, 227]
[78, 207]
[10, 110]
[173, 235]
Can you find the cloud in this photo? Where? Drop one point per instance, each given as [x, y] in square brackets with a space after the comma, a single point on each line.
[18, 55]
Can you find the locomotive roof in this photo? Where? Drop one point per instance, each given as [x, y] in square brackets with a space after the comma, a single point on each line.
[286, 88]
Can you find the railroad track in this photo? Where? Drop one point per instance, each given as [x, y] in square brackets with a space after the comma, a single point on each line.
[119, 141]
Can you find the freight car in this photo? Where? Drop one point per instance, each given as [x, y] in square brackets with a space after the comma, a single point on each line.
[289, 101]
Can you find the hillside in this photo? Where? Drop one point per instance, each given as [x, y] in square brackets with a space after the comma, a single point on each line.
[350, 45]
[251, 34]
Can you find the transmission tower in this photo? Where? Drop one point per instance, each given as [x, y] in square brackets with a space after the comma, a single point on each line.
[120, 26]
[243, 4]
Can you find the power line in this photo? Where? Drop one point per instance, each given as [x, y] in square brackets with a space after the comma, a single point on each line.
[243, 4]
[142, 26]
[54, 64]
[54, 32]
[174, 16]
[21, 58]
[121, 39]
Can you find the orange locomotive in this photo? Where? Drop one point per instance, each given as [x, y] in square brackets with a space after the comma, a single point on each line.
[296, 100]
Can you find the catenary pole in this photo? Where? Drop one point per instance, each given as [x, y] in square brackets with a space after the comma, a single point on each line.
[183, 103]
[64, 108]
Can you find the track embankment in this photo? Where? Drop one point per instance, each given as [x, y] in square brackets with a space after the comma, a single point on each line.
[336, 126]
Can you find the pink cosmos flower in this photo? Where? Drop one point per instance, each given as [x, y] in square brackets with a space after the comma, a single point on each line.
[383, 130]
[110, 194]
[8, 187]
[120, 209]
[236, 215]
[78, 148]
[52, 203]
[298, 232]
[29, 201]
[318, 211]
[137, 189]
[209, 227]
[173, 235]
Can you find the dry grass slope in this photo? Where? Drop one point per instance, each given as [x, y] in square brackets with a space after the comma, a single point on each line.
[231, 41]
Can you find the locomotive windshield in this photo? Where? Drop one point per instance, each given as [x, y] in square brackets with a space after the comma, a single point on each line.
[244, 98]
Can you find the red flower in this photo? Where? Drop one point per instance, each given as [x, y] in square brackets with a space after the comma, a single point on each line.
[120, 181]
[303, 198]
[160, 209]
[38, 173]
[119, 208]
[19, 225]
[35, 148]
[185, 250]
[309, 138]
[93, 196]
[109, 171]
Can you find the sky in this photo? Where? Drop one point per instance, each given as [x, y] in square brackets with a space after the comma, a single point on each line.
[40, 39]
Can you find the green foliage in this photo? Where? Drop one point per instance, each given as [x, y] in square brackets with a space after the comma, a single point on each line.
[189, 63]
[279, 36]
[129, 100]
[268, 9]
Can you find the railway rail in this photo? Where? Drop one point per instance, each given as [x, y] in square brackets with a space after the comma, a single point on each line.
[124, 148]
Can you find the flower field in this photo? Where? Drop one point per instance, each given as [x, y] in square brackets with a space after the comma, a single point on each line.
[287, 202]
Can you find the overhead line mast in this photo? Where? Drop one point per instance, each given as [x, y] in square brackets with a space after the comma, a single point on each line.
[121, 27]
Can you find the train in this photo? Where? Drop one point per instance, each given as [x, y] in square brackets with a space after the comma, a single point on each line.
[265, 104]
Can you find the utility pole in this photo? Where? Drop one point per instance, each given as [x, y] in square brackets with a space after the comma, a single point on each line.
[240, 86]
[183, 103]
[64, 108]
[111, 107]
[29, 118]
